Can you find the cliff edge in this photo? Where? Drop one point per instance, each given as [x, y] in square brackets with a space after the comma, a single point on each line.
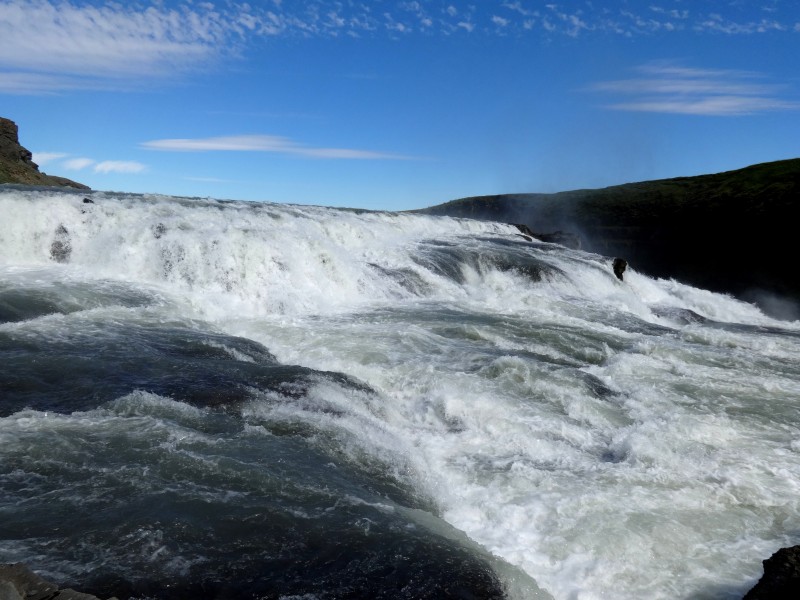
[17, 166]
[732, 232]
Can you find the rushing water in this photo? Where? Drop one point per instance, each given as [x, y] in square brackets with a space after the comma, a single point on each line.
[238, 400]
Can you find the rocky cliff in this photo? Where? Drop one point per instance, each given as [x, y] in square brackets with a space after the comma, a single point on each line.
[17, 166]
[731, 232]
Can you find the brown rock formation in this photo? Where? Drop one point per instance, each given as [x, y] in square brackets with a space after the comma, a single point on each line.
[17, 166]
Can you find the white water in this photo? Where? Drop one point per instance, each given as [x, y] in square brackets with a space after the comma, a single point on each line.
[591, 432]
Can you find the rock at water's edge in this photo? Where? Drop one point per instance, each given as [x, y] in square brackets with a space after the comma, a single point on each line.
[619, 265]
[18, 582]
[570, 240]
[781, 579]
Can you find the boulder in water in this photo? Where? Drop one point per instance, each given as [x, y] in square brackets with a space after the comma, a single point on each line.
[619, 264]
[18, 582]
[570, 240]
[781, 577]
[61, 249]
[564, 238]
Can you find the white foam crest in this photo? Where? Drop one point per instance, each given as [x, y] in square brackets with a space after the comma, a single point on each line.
[234, 256]
[260, 259]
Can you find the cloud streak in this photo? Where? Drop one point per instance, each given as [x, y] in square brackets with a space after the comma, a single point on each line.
[265, 143]
[119, 166]
[42, 158]
[49, 46]
[671, 89]
[81, 163]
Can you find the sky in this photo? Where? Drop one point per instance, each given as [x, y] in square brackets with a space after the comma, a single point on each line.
[395, 105]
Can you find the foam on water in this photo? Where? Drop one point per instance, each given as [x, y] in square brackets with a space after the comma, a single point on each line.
[610, 439]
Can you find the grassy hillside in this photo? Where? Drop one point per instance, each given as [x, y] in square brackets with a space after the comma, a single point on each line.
[730, 232]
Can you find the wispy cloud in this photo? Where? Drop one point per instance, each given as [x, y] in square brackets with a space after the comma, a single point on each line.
[264, 143]
[715, 22]
[666, 88]
[81, 163]
[119, 166]
[77, 164]
[42, 158]
[47, 46]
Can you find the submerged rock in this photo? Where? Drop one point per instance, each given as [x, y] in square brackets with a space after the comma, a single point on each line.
[619, 265]
[18, 582]
[781, 577]
[564, 238]
[61, 249]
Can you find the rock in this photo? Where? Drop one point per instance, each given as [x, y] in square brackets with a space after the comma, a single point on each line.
[524, 229]
[16, 162]
[570, 240]
[88, 201]
[619, 264]
[18, 582]
[159, 230]
[61, 249]
[565, 238]
[781, 579]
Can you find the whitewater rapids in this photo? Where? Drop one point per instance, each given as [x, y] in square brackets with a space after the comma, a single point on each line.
[262, 400]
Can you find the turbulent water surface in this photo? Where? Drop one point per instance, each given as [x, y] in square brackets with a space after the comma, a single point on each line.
[238, 400]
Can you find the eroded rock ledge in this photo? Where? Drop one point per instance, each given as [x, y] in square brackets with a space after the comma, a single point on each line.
[16, 162]
[18, 582]
[781, 579]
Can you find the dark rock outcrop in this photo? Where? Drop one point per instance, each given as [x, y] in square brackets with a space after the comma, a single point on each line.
[781, 579]
[570, 240]
[619, 265]
[16, 162]
[61, 248]
[18, 582]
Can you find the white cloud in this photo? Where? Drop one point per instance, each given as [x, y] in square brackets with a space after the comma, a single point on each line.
[76, 164]
[717, 106]
[263, 143]
[42, 158]
[55, 45]
[119, 166]
[716, 23]
[105, 166]
[666, 88]
[37, 83]
[47, 46]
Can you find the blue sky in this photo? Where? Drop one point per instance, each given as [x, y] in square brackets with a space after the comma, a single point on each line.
[398, 104]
